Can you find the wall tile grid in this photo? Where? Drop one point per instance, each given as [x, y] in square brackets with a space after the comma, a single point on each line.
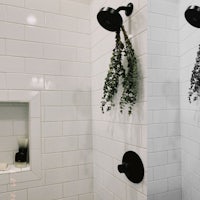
[189, 117]
[45, 46]
[114, 133]
[164, 153]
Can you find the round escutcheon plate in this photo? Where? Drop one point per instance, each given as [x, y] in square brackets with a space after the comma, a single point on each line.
[132, 166]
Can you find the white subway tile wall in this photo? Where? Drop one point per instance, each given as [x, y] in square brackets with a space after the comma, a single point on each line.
[58, 48]
[189, 115]
[45, 46]
[114, 133]
[164, 140]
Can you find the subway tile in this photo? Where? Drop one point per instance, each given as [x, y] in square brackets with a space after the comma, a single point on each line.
[60, 175]
[172, 22]
[157, 130]
[157, 20]
[45, 5]
[85, 186]
[3, 12]
[51, 161]
[176, 194]
[51, 129]
[11, 64]
[42, 66]
[158, 34]
[158, 158]
[85, 171]
[75, 68]
[24, 16]
[75, 39]
[20, 127]
[83, 55]
[158, 48]
[43, 35]
[76, 127]
[11, 30]
[83, 26]
[71, 198]
[61, 22]
[8, 143]
[61, 144]
[75, 9]
[50, 191]
[162, 7]
[58, 113]
[51, 98]
[84, 113]
[6, 157]
[173, 169]
[70, 189]
[174, 156]
[24, 81]
[174, 183]
[2, 81]
[20, 195]
[85, 142]
[24, 48]
[86, 197]
[19, 3]
[60, 52]
[76, 98]
[85, 156]
[71, 158]
[118, 187]
[3, 188]
[159, 186]
[2, 46]
[67, 83]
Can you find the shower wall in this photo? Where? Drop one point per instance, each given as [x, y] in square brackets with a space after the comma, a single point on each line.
[114, 133]
[44, 46]
[164, 153]
[189, 115]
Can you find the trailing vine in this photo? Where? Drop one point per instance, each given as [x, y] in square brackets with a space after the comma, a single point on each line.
[115, 71]
[130, 81]
[195, 80]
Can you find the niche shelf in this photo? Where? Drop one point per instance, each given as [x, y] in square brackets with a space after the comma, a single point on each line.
[33, 169]
[13, 169]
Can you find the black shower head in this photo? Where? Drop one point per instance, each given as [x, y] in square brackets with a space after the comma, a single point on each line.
[192, 15]
[110, 19]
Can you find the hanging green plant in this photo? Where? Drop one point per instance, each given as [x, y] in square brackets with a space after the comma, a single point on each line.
[194, 89]
[115, 71]
[130, 81]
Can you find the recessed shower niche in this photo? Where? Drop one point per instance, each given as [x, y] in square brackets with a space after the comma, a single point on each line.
[14, 135]
[20, 147]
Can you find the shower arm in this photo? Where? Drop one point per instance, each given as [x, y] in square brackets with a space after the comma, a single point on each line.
[121, 8]
[128, 9]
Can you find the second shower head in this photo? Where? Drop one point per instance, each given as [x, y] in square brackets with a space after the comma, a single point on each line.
[110, 19]
[192, 15]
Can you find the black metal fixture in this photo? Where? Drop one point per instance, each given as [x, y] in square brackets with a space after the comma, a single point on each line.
[110, 19]
[192, 15]
[132, 166]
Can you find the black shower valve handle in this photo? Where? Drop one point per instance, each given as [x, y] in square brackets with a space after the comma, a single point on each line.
[132, 167]
[123, 167]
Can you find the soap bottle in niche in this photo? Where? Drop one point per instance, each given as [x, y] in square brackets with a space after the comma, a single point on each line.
[21, 156]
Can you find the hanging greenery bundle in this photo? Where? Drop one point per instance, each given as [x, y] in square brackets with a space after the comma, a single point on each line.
[130, 82]
[194, 89]
[116, 71]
